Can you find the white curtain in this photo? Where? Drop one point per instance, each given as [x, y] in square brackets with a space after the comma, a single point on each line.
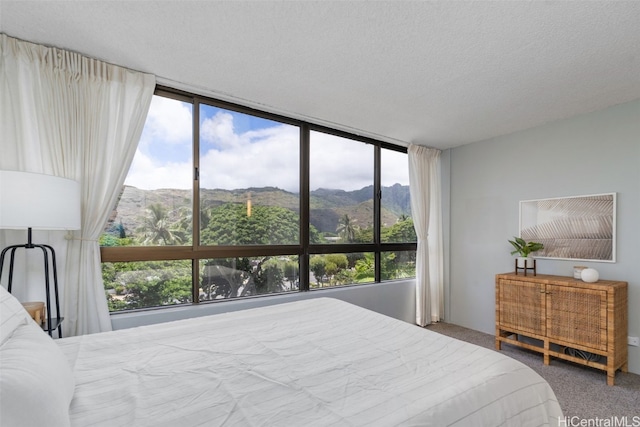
[426, 211]
[64, 114]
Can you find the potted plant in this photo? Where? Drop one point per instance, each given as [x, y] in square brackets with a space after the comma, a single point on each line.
[524, 249]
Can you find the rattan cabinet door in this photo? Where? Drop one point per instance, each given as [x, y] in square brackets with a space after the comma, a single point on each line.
[522, 306]
[577, 316]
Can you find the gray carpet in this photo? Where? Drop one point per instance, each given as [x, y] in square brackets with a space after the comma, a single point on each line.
[582, 391]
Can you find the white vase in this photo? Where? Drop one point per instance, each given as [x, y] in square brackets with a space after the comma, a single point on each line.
[525, 262]
[590, 275]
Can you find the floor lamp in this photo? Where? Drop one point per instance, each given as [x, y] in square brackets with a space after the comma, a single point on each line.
[34, 201]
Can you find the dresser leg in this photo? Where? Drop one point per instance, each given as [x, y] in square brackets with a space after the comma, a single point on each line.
[611, 376]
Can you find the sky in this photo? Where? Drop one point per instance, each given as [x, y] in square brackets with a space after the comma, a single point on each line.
[241, 151]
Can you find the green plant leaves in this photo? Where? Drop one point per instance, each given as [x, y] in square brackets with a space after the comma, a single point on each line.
[523, 248]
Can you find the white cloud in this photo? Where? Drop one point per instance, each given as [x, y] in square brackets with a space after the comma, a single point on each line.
[395, 168]
[339, 163]
[167, 131]
[219, 130]
[169, 121]
[259, 158]
[256, 158]
[150, 174]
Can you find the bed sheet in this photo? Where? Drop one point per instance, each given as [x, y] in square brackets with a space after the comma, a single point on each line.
[316, 362]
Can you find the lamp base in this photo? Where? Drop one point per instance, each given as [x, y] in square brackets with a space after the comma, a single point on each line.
[48, 253]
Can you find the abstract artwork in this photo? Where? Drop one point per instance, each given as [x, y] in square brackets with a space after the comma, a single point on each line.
[577, 227]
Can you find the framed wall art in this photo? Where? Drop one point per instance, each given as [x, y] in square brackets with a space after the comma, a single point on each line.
[576, 228]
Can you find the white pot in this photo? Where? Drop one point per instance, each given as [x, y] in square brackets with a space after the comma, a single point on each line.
[590, 275]
[525, 262]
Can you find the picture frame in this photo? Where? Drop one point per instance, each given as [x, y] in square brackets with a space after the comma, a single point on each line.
[572, 228]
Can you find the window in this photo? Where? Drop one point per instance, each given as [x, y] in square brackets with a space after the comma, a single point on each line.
[341, 269]
[341, 183]
[248, 276]
[223, 202]
[397, 224]
[249, 179]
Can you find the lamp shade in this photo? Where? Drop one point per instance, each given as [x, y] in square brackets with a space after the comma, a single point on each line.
[38, 201]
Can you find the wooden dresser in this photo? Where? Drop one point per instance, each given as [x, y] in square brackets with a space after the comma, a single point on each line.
[566, 318]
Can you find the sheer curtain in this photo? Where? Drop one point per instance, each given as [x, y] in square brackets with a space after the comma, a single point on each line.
[426, 210]
[64, 114]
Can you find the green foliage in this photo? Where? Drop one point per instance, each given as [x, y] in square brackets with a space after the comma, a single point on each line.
[343, 277]
[363, 235]
[227, 278]
[314, 235]
[332, 269]
[109, 240]
[235, 277]
[339, 260]
[147, 284]
[268, 279]
[317, 265]
[291, 271]
[404, 265]
[346, 229]
[523, 248]
[401, 231]
[229, 224]
[131, 285]
[157, 228]
[365, 267]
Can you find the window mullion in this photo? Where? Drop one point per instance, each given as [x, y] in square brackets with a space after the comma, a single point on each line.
[377, 222]
[304, 207]
[195, 213]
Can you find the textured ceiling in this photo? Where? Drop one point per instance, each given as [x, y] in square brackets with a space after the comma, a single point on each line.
[439, 73]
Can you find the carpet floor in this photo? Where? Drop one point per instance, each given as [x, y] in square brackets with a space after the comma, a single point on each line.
[583, 392]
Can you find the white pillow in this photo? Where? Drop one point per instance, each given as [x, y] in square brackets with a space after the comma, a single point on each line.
[12, 315]
[36, 382]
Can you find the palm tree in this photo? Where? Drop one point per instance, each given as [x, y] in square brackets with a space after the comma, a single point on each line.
[158, 229]
[346, 229]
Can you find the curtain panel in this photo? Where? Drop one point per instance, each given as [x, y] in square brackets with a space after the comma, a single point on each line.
[68, 115]
[426, 210]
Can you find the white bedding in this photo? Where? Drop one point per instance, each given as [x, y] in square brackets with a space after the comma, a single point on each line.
[316, 362]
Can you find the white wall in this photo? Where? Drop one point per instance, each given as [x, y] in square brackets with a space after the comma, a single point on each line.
[589, 154]
[394, 299]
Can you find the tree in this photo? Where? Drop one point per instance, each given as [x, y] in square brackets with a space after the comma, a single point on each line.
[268, 278]
[292, 273]
[401, 231]
[365, 267]
[332, 268]
[227, 278]
[157, 228]
[148, 284]
[184, 224]
[317, 265]
[346, 229]
[364, 235]
[267, 225]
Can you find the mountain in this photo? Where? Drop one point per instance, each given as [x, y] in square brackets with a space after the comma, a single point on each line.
[326, 205]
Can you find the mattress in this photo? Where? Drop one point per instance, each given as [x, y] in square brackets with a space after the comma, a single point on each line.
[316, 362]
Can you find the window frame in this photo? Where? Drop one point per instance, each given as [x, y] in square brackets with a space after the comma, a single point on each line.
[304, 250]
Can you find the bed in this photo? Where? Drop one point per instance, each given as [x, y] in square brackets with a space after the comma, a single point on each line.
[316, 362]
